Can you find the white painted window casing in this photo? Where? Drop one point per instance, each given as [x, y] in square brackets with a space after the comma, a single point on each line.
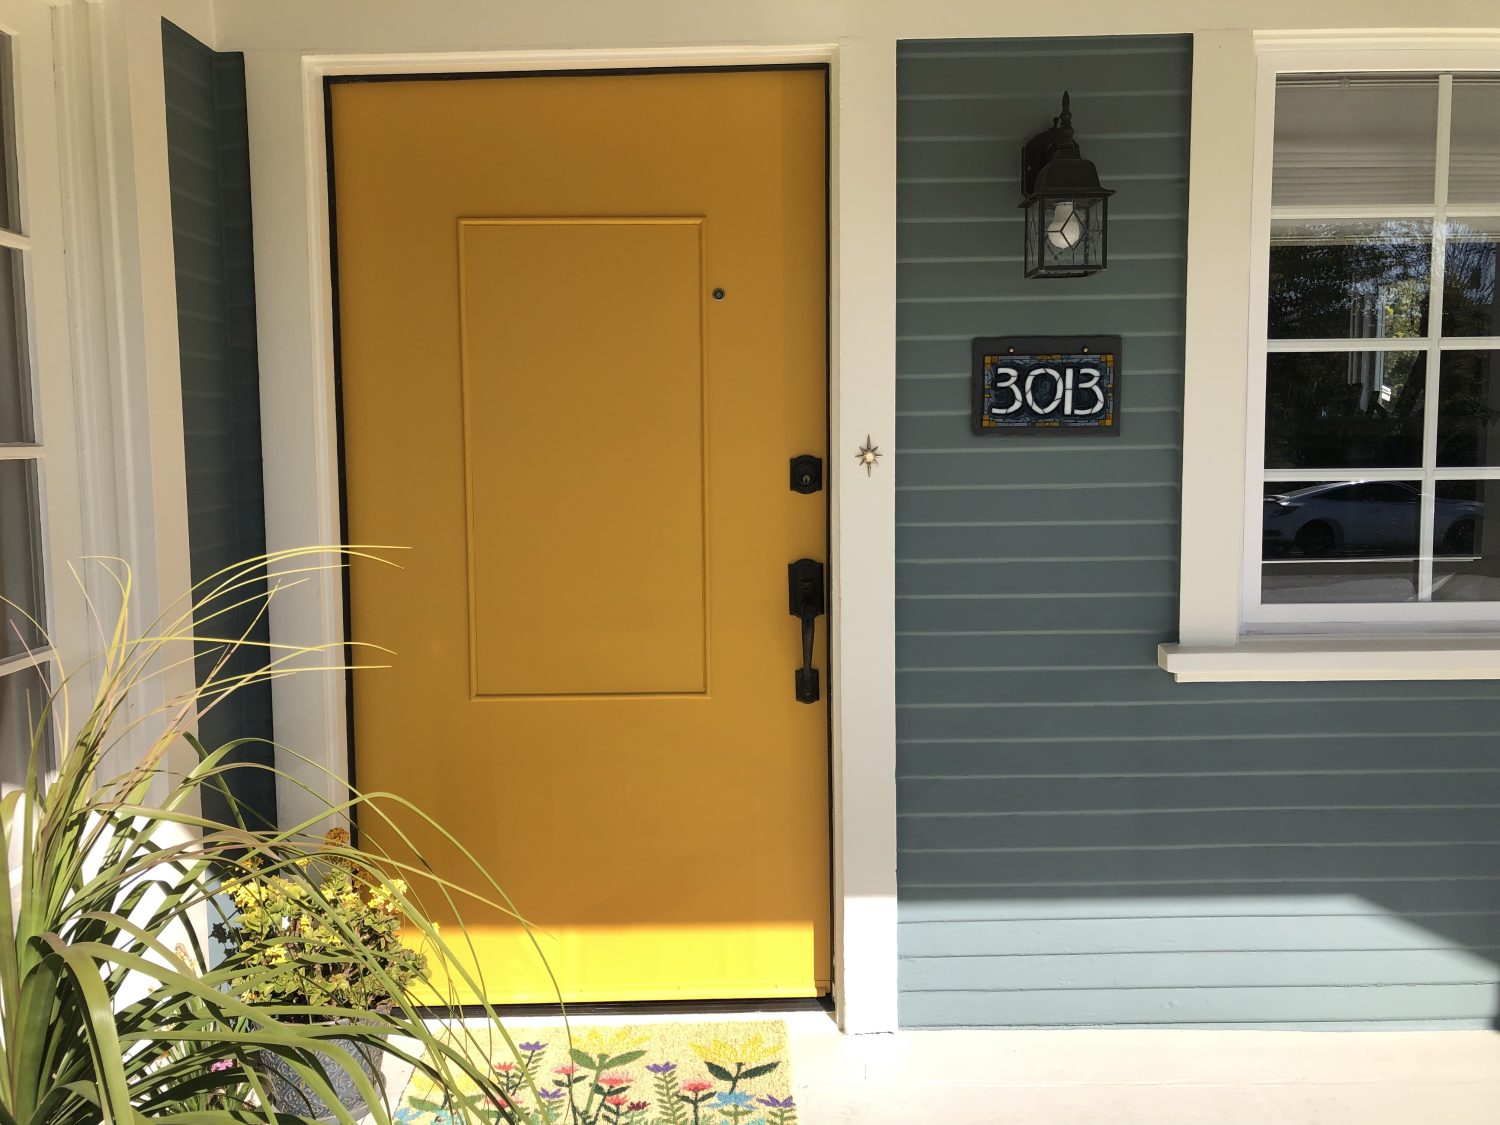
[1226, 633]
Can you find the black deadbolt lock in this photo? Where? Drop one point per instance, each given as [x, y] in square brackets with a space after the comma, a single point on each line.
[807, 474]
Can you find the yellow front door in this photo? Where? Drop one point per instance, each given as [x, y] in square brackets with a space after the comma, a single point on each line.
[581, 335]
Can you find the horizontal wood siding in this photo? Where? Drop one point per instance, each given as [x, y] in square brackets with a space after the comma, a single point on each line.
[1083, 840]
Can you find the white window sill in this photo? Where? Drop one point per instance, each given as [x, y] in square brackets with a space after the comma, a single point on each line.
[1475, 656]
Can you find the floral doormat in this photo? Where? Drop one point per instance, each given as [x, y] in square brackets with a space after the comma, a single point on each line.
[734, 1073]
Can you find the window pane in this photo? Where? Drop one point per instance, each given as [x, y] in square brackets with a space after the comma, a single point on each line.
[1338, 280]
[1368, 139]
[1466, 555]
[1340, 541]
[1344, 410]
[1469, 305]
[23, 696]
[1469, 409]
[20, 558]
[1474, 161]
[15, 375]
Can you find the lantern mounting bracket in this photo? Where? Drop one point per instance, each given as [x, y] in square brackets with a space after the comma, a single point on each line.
[1038, 152]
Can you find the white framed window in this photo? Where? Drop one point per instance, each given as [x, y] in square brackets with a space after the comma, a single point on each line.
[1341, 488]
[39, 523]
[1374, 406]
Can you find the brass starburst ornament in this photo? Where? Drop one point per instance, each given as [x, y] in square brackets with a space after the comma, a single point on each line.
[869, 455]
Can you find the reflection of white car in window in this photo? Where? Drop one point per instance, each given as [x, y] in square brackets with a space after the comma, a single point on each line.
[1364, 517]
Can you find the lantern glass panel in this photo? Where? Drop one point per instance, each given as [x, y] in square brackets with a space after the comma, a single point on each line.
[1035, 234]
[1065, 235]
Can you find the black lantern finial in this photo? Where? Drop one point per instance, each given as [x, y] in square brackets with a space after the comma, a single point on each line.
[1066, 208]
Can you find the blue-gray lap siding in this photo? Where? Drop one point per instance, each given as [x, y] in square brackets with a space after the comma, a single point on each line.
[209, 173]
[1084, 841]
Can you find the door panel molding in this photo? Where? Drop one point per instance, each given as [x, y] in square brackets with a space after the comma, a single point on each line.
[513, 272]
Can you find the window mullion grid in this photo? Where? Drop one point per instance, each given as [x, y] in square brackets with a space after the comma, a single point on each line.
[1433, 390]
[39, 663]
[37, 660]
[1432, 344]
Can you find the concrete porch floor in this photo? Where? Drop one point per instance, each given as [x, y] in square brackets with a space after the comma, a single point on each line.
[1152, 1077]
[1127, 1077]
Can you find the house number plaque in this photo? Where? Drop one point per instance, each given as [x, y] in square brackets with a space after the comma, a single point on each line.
[1046, 385]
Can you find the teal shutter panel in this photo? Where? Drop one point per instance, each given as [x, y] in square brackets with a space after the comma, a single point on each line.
[209, 162]
[1084, 841]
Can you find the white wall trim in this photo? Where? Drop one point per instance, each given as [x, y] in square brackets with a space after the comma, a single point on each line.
[1219, 266]
[289, 177]
[1234, 77]
[862, 401]
[1473, 657]
[603, 58]
[1452, 42]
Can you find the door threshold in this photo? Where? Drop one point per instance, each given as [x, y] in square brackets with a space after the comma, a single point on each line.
[636, 1008]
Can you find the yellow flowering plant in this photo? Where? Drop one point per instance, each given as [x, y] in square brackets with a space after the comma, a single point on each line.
[328, 937]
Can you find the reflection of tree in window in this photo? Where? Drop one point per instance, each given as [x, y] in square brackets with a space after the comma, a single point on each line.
[1469, 394]
[1469, 307]
[1344, 409]
[1340, 280]
[1468, 410]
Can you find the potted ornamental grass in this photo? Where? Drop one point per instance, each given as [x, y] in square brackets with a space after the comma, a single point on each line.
[115, 1004]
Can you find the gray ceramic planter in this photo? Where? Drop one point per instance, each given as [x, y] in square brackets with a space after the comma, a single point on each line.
[290, 1094]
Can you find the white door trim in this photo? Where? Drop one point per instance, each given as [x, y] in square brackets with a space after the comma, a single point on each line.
[299, 424]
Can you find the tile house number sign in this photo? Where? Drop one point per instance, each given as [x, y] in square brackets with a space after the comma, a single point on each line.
[1047, 385]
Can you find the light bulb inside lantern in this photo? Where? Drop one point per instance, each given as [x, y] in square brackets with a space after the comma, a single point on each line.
[1064, 229]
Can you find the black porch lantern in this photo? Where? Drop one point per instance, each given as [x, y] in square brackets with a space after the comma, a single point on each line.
[1067, 232]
